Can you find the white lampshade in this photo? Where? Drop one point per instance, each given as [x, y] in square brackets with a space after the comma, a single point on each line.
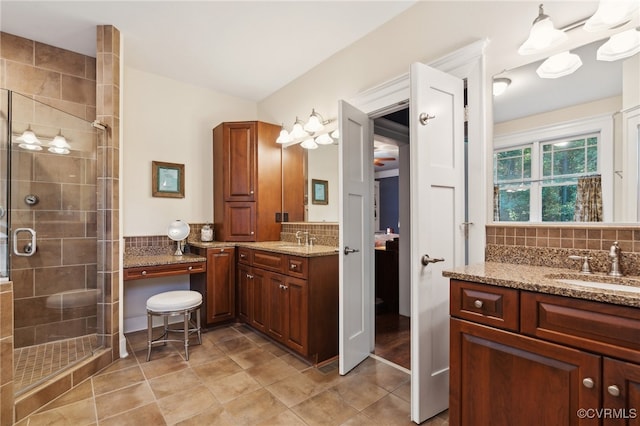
[59, 145]
[500, 85]
[324, 139]
[309, 144]
[543, 35]
[298, 132]
[284, 137]
[335, 134]
[611, 13]
[559, 65]
[29, 141]
[619, 46]
[314, 124]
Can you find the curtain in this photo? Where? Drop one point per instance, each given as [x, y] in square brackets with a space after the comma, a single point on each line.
[589, 199]
[496, 203]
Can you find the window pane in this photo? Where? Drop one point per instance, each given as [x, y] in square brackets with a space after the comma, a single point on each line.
[526, 163]
[509, 168]
[514, 205]
[592, 159]
[558, 203]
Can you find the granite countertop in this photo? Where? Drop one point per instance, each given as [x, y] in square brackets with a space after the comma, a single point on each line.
[141, 260]
[545, 280]
[274, 246]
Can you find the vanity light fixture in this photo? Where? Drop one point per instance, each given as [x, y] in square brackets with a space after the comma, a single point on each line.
[324, 139]
[284, 137]
[310, 134]
[59, 145]
[29, 141]
[543, 35]
[559, 65]
[309, 144]
[500, 85]
[298, 132]
[619, 46]
[315, 123]
[611, 14]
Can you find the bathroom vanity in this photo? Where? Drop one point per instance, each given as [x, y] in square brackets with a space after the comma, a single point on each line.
[537, 345]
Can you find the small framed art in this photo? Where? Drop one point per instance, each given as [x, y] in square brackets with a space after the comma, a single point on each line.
[167, 180]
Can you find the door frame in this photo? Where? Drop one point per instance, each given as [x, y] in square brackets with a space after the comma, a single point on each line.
[467, 63]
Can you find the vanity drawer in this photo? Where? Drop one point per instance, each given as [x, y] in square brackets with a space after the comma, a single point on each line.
[600, 327]
[244, 255]
[270, 261]
[485, 304]
[297, 267]
[155, 271]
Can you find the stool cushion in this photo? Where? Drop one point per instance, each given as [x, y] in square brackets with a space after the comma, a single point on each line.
[174, 301]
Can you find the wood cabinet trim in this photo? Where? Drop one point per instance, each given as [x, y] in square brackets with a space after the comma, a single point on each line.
[155, 271]
[500, 306]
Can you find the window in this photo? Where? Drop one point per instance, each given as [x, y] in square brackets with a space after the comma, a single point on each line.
[538, 181]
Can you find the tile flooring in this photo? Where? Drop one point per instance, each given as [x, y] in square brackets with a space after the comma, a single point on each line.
[236, 377]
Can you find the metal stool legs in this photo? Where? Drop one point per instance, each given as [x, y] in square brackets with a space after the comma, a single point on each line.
[188, 328]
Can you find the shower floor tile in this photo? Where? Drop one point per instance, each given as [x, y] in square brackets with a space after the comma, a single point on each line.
[35, 363]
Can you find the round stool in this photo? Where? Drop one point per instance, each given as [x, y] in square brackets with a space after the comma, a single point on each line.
[169, 304]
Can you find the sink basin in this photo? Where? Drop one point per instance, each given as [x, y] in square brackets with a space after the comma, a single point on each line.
[601, 285]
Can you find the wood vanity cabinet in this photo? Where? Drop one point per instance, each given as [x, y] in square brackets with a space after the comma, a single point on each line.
[292, 299]
[519, 357]
[219, 287]
[247, 180]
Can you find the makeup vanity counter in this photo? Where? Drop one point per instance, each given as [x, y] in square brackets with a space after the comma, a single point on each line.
[539, 345]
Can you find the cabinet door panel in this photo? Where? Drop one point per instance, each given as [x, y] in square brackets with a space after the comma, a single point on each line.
[621, 392]
[277, 311]
[244, 292]
[240, 159]
[259, 294]
[486, 363]
[297, 314]
[220, 285]
[241, 221]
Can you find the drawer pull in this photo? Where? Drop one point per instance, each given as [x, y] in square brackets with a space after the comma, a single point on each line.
[250, 276]
[588, 382]
[613, 390]
[293, 266]
[478, 303]
[243, 256]
[190, 268]
[144, 272]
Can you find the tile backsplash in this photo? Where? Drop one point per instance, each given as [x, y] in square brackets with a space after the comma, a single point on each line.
[551, 245]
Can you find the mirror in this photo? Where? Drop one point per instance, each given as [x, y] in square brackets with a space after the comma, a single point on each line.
[534, 108]
[322, 164]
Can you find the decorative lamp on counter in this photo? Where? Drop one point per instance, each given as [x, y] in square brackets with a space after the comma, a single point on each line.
[178, 231]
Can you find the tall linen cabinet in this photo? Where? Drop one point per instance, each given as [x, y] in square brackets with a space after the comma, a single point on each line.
[247, 181]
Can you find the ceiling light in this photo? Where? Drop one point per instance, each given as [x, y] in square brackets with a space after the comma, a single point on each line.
[543, 35]
[500, 85]
[559, 65]
[611, 14]
[298, 131]
[324, 139]
[59, 145]
[309, 144]
[315, 123]
[620, 46]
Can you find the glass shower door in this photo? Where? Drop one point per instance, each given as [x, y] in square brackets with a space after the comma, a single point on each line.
[53, 241]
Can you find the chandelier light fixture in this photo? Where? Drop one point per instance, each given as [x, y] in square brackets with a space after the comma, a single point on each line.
[310, 134]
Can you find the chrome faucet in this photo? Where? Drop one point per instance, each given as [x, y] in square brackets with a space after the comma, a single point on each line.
[614, 255]
[299, 235]
[586, 267]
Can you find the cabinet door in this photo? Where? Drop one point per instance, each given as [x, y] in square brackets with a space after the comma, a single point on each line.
[241, 221]
[259, 294]
[244, 293]
[621, 393]
[297, 314]
[501, 378]
[220, 285]
[277, 311]
[240, 161]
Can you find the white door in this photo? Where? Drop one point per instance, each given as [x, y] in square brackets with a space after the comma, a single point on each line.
[355, 170]
[437, 210]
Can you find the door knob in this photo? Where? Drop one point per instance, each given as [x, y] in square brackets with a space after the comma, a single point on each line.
[348, 250]
[426, 260]
[424, 118]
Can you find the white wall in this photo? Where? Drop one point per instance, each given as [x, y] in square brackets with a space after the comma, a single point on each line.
[170, 121]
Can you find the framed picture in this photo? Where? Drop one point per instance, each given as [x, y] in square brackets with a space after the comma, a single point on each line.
[167, 180]
[319, 191]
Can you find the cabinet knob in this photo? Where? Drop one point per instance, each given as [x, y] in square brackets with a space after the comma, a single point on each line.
[242, 255]
[293, 266]
[190, 268]
[252, 232]
[613, 390]
[144, 272]
[251, 192]
[250, 276]
[221, 250]
[478, 303]
[588, 382]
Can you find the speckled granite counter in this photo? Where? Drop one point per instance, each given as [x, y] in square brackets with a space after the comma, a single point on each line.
[274, 246]
[545, 280]
[140, 259]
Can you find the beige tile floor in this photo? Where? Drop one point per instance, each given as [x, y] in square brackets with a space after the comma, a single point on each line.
[236, 377]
